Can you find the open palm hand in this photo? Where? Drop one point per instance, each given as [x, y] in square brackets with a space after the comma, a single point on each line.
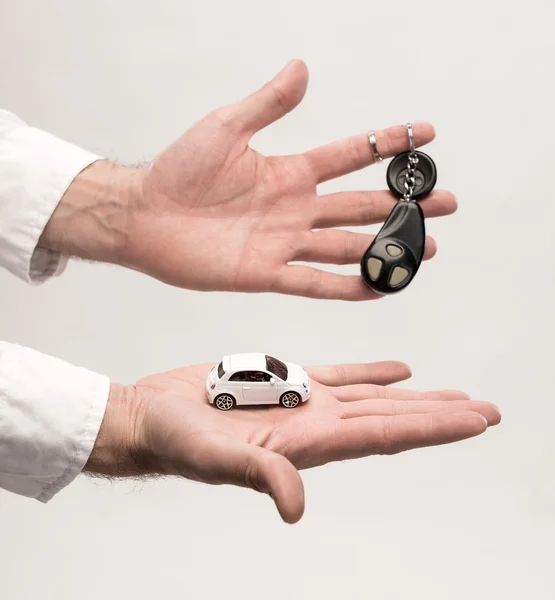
[213, 214]
[350, 414]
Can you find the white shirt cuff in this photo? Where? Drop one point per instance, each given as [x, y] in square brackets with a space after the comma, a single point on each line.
[50, 415]
[36, 169]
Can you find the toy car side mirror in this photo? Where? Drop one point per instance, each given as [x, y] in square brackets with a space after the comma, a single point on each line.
[272, 381]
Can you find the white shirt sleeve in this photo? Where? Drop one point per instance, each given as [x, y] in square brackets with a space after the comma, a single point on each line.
[50, 414]
[36, 169]
[50, 411]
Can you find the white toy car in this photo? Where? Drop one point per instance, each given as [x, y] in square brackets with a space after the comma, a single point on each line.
[256, 379]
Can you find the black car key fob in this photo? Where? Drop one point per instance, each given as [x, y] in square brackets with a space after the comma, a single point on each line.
[393, 259]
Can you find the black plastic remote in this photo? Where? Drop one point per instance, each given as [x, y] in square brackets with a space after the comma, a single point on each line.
[393, 258]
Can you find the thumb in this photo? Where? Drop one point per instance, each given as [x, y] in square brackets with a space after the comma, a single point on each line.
[273, 474]
[250, 466]
[274, 100]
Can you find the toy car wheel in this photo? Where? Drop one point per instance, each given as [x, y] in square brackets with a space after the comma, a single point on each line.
[290, 399]
[224, 402]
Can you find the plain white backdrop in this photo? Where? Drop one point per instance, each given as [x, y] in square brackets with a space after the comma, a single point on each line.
[477, 519]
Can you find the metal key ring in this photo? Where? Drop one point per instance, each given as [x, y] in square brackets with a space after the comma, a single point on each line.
[411, 138]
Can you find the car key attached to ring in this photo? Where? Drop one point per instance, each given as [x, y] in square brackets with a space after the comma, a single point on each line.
[392, 260]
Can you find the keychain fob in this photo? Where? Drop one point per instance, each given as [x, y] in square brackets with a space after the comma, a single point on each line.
[393, 259]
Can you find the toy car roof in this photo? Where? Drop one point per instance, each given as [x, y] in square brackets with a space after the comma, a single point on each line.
[245, 362]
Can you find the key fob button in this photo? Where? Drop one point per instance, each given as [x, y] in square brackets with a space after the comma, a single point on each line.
[398, 275]
[374, 268]
[394, 250]
[425, 176]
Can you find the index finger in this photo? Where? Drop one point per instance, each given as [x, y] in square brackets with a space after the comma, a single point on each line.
[380, 373]
[354, 153]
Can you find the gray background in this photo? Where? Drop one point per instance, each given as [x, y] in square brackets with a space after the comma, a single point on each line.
[475, 519]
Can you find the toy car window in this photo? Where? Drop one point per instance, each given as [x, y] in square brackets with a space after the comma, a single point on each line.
[276, 367]
[239, 376]
[221, 371]
[258, 376]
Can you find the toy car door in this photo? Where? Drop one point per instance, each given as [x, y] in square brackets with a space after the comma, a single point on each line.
[258, 389]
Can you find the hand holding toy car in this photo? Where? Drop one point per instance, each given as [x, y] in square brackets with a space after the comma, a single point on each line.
[164, 425]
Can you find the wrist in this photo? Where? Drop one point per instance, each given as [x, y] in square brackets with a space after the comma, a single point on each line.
[91, 220]
[118, 448]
